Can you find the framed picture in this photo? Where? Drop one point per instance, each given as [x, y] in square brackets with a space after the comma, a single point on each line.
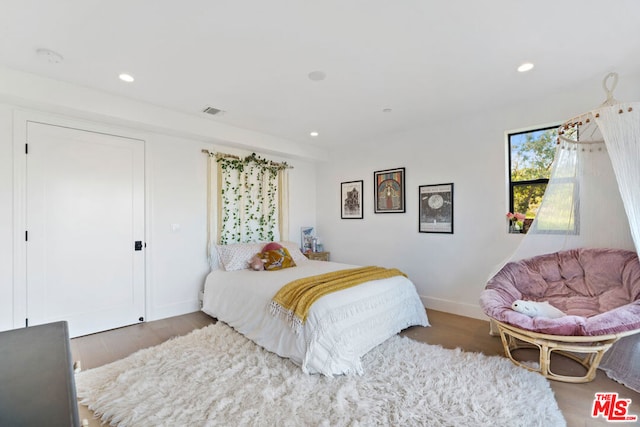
[351, 200]
[306, 239]
[436, 208]
[389, 191]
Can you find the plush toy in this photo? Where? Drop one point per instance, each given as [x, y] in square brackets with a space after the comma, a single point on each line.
[256, 263]
[536, 309]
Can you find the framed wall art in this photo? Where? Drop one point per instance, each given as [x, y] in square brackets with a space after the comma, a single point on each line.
[351, 200]
[436, 208]
[389, 190]
[306, 239]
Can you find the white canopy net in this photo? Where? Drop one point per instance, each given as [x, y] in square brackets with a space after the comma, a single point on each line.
[593, 195]
[593, 200]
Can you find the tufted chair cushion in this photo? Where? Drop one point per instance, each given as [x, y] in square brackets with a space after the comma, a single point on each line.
[598, 289]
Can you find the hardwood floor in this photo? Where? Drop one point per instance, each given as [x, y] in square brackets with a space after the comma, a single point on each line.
[447, 330]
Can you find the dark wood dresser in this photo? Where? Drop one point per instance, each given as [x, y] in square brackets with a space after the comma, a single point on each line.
[37, 386]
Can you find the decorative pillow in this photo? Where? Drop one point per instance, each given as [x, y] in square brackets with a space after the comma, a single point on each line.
[256, 263]
[236, 256]
[277, 259]
[536, 309]
[294, 251]
[271, 246]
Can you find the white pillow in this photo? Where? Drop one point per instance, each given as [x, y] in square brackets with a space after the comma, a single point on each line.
[294, 251]
[236, 256]
[214, 258]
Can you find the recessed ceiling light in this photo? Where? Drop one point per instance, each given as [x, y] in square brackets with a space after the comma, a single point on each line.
[314, 133]
[527, 66]
[317, 76]
[126, 77]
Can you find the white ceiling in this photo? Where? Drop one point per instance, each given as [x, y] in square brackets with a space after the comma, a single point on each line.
[424, 59]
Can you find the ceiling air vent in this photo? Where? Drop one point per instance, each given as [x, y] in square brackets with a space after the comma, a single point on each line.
[212, 111]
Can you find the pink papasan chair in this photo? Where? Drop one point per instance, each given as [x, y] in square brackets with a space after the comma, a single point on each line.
[598, 290]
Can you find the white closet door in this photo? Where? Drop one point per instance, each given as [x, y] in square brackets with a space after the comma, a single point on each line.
[84, 213]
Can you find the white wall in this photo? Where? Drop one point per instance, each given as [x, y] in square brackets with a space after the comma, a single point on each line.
[6, 219]
[449, 271]
[176, 259]
[176, 182]
[177, 175]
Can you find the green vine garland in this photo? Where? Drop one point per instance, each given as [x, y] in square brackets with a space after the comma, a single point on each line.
[243, 189]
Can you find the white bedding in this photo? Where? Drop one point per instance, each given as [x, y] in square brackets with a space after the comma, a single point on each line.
[340, 328]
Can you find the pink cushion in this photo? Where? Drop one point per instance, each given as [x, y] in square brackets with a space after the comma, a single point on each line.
[598, 289]
[272, 246]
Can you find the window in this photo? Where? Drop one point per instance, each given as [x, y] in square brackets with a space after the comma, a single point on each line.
[531, 155]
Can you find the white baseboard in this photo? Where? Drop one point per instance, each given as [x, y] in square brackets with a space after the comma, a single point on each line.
[459, 308]
[178, 309]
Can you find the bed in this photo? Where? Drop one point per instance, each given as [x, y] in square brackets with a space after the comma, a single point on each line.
[340, 328]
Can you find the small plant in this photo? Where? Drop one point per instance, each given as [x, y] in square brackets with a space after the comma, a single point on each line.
[516, 221]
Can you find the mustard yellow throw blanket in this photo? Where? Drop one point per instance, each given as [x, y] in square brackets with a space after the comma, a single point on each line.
[293, 301]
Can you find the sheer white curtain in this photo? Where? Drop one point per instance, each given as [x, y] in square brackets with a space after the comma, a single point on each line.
[593, 200]
[582, 206]
[620, 126]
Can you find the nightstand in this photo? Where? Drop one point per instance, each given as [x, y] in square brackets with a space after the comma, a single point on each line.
[318, 256]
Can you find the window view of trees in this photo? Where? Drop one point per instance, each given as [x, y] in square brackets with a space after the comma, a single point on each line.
[531, 155]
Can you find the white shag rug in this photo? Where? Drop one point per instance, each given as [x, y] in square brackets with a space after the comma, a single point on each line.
[215, 376]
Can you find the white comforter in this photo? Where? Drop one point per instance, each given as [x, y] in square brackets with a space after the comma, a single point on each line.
[340, 328]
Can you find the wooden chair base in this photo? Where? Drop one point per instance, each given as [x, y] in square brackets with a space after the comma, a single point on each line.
[586, 350]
